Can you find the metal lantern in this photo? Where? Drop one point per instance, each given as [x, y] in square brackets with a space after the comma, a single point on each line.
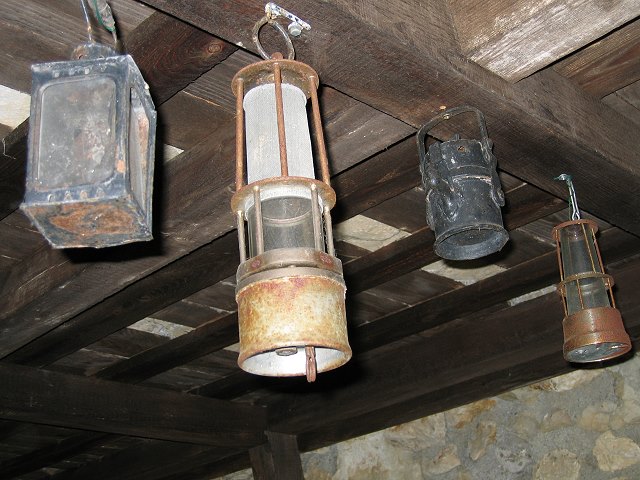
[463, 192]
[91, 150]
[290, 289]
[593, 328]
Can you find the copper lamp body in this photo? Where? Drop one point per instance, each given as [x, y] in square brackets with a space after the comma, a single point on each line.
[290, 288]
[593, 328]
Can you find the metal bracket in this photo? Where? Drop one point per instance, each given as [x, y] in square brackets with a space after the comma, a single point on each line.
[296, 26]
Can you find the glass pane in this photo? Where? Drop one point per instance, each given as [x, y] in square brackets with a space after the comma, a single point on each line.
[77, 133]
[138, 148]
[287, 223]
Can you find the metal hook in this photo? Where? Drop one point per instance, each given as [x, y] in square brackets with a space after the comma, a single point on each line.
[573, 201]
[255, 35]
[86, 19]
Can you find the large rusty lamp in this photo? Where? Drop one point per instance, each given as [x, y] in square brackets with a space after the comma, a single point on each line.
[593, 328]
[91, 149]
[290, 289]
[463, 191]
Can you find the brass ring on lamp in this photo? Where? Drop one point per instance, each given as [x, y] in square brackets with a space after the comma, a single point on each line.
[255, 35]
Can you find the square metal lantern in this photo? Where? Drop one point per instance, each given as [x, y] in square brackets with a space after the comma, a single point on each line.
[91, 150]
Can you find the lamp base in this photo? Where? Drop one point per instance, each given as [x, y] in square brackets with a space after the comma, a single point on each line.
[594, 334]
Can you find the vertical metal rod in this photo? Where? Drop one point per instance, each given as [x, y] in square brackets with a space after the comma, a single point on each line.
[311, 364]
[588, 245]
[86, 19]
[257, 207]
[329, 231]
[317, 127]
[239, 135]
[317, 221]
[282, 138]
[242, 239]
[563, 286]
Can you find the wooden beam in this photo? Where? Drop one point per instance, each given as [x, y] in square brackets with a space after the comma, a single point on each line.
[517, 38]
[541, 127]
[606, 65]
[405, 374]
[171, 54]
[148, 461]
[277, 459]
[12, 169]
[39, 396]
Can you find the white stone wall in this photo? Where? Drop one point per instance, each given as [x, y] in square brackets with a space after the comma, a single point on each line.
[584, 425]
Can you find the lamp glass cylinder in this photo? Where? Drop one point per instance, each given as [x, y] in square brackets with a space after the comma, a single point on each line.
[593, 328]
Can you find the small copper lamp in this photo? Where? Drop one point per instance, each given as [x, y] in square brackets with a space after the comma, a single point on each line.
[91, 149]
[290, 288]
[593, 328]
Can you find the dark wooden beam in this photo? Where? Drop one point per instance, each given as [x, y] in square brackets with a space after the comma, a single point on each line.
[541, 127]
[401, 376]
[171, 54]
[277, 459]
[606, 65]
[12, 169]
[39, 396]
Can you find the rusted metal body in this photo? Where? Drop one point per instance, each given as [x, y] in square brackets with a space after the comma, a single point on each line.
[91, 150]
[463, 192]
[593, 327]
[290, 289]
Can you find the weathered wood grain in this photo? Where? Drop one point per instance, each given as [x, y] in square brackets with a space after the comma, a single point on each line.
[606, 65]
[278, 458]
[541, 127]
[517, 38]
[51, 398]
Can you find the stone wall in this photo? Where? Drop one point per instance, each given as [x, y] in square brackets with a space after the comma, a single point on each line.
[584, 425]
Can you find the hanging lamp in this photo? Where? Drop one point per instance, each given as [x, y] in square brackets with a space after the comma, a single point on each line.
[91, 147]
[593, 328]
[290, 288]
[463, 191]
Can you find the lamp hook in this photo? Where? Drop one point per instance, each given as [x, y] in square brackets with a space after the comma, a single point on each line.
[573, 201]
[295, 28]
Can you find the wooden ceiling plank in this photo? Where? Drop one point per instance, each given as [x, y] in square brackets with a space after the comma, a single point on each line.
[12, 169]
[514, 39]
[276, 459]
[39, 396]
[525, 204]
[171, 54]
[465, 349]
[606, 65]
[357, 189]
[148, 461]
[541, 127]
[51, 454]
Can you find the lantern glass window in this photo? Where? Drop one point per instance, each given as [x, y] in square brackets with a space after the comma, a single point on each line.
[77, 132]
[579, 261]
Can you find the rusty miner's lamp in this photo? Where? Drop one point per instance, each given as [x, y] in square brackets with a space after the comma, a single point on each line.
[91, 149]
[290, 289]
[592, 325]
[463, 192]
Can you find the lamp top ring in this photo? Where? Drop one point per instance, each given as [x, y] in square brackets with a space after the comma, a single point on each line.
[255, 35]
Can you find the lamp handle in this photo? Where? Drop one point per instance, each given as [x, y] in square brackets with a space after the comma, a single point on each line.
[446, 115]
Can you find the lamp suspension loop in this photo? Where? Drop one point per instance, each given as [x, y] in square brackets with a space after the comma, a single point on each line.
[290, 287]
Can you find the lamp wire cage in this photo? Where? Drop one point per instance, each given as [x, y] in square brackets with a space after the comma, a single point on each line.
[592, 325]
[290, 288]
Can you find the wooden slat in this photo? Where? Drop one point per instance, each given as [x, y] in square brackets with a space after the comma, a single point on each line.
[401, 376]
[606, 65]
[517, 38]
[541, 127]
[171, 54]
[12, 169]
[46, 397]
[277, 459]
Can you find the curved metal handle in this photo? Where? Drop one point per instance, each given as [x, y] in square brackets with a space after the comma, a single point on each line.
[446, 115]
[255, 35]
